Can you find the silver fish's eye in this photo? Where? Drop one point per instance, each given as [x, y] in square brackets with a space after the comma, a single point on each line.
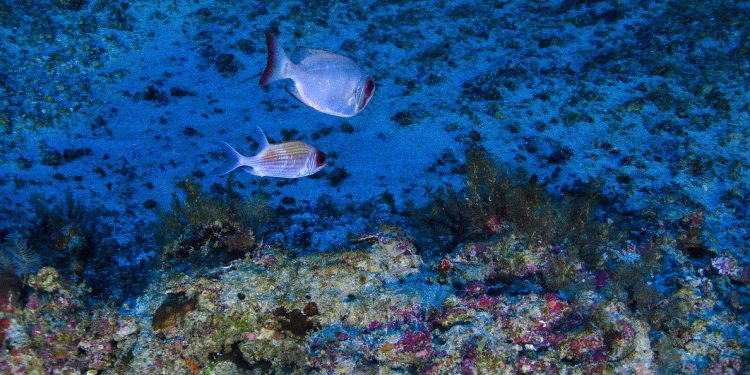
[369, 87]
[364, 92]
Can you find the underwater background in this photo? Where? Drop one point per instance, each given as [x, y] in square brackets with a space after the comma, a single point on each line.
[534, 187]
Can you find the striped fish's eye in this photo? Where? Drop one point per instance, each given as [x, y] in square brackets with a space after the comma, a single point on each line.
[320, 159]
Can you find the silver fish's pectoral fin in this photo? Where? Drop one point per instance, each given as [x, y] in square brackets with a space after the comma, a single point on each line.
[292, 89]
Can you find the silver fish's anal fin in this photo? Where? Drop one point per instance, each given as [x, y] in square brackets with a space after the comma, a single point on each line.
[234, 162]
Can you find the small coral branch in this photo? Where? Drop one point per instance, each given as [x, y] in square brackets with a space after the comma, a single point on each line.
[17, 256]
[202, 225]
[496, 200]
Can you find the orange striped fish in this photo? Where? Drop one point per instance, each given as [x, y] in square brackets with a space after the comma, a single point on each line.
[286, 160]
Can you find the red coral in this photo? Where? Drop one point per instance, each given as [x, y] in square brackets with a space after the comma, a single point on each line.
[554, 304]
[444, 265]
[485, 302]
[4, 325]
[586, 345]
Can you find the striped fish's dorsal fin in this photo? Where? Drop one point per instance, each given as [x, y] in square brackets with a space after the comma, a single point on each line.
[262, 140]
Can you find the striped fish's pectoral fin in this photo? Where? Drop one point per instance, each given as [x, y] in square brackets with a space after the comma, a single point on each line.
[248, 169]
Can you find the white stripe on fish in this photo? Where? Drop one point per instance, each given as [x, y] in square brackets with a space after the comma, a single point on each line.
[286, 160]
[325, 81]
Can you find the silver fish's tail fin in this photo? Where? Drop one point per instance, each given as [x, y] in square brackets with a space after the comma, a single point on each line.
[234, 162]
[276, 67]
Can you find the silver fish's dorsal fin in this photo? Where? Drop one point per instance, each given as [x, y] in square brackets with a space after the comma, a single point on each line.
[262, 140]
[304, 56]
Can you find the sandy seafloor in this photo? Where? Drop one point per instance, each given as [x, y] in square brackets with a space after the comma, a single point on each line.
[649, 100]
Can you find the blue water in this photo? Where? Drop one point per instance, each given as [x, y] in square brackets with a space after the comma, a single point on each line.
[107, 108]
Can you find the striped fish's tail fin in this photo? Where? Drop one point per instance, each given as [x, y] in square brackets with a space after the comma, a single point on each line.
[234, 162]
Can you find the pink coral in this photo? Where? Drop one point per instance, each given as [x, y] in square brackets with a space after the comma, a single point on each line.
[725, 366]
[374, 325]
[600, 279]
[415, 342]
[730, 268]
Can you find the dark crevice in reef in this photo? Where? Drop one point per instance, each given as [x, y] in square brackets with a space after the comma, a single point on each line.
[173, 310]
[296, 321]
[235, 356]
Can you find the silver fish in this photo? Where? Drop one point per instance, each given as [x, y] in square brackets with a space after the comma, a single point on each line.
[325, 81]
[286, 160]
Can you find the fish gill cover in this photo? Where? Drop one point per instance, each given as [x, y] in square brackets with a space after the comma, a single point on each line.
[532, 187]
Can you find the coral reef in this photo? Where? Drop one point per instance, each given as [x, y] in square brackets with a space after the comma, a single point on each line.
[53, 331]
[373, 308]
